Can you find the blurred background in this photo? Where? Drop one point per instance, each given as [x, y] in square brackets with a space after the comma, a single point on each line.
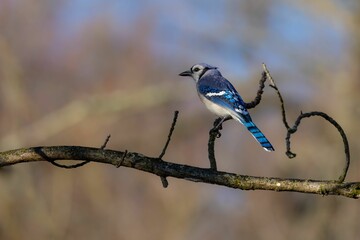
[72, 72]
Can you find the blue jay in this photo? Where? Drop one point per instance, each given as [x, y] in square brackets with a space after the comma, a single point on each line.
[221, 98]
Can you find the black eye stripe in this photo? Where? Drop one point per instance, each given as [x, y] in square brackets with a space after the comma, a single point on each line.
[203, 72]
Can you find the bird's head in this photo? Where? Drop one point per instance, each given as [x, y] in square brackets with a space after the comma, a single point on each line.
[197, 71]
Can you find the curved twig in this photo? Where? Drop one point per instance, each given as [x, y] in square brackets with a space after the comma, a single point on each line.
[335, 124]
[77, 164]
[292, 130]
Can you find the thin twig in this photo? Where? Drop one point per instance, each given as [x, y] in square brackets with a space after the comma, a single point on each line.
[106, 142]
[176, 113]
[259, 93]
[119, 163]
[273, 85]
[163, 179]
[52, 161]
[81, 163]
[69, 166]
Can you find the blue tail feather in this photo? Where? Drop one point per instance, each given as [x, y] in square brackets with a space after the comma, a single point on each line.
[258, 135]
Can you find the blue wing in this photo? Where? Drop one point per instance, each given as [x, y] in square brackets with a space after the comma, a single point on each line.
[221, 92]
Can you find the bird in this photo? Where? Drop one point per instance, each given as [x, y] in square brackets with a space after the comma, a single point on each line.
[222, 99]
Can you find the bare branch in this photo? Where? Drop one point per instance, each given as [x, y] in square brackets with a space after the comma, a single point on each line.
[162, 168]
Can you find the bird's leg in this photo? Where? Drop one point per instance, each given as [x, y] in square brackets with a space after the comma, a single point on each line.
[218, 123]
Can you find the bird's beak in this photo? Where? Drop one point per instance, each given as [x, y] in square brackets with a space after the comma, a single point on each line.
[186, 73]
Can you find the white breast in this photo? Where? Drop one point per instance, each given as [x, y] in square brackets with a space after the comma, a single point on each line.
[214, 108]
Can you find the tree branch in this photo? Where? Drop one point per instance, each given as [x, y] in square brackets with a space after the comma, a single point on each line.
[165, 169]
[162, 168]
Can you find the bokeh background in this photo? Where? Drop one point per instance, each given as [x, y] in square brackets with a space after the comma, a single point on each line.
[73, 71]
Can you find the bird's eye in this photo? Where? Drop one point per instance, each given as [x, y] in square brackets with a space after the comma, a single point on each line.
[196, 69]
